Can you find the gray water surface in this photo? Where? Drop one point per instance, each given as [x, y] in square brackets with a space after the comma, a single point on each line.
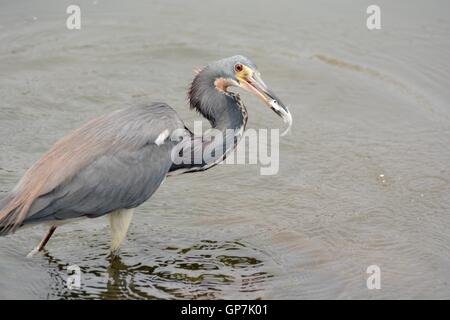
[364, 175]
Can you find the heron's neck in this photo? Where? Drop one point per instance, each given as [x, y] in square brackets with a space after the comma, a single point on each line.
[233, 115]
[228, 123]
[226, 113]
[223, 109]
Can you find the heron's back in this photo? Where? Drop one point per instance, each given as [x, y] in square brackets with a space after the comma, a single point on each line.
[110, 163]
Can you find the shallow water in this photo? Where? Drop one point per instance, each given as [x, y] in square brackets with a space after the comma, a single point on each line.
[364, 176]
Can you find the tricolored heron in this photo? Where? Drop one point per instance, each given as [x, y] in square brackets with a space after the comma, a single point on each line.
[114, 163]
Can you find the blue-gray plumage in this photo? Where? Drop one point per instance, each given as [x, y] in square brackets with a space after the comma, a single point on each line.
[114, 163]
[123, 176]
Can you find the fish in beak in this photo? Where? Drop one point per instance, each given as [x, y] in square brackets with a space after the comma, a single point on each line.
[251, 81]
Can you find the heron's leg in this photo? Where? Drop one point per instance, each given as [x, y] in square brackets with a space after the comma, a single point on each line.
[120, 222]
[43, 242]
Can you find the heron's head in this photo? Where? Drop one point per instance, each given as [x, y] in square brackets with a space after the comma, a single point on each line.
[239, 71]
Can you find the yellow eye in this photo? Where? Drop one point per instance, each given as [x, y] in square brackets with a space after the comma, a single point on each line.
[238, 67]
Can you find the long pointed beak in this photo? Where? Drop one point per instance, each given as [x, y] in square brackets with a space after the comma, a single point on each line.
[256, 85]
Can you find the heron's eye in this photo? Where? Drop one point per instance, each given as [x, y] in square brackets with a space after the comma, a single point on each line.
[238, 67]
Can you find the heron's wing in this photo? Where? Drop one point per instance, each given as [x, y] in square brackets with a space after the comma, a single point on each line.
[103, 150]
[114, 181]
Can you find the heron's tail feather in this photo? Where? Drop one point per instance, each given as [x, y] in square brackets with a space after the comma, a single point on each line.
[3, 202]
[5, 227]
[10, 215]
[7, 224]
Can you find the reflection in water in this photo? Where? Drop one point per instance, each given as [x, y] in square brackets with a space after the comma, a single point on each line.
[201, 271]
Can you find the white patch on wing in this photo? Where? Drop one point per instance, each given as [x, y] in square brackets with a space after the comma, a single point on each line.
[162, 137]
